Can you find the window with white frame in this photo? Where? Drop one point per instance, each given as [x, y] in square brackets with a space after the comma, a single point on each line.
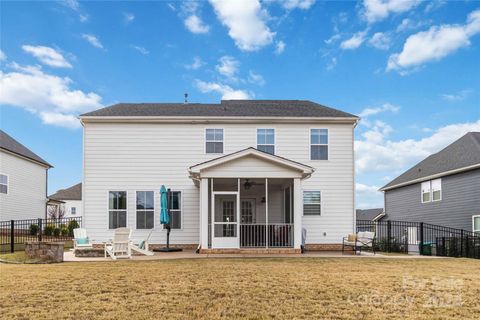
[432, 190]
[3, 183]
[318, 144]
[175, 203]
[145, 209]
[117, 209]
[73, 210]
[266, 140]
[214, 140]
[476, 224]
[312, 203]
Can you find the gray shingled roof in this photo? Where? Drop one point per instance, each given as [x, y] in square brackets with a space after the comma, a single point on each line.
[72, 193]
[227, 108]
[368, 214]
[12, 145]
[464, 152]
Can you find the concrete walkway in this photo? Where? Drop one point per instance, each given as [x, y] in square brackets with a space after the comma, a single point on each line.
[190, 254]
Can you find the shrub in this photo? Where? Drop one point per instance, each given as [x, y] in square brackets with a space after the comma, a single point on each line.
[34, 229]
[73, 224]
[56, 232]
[64, 230]
[48, 230]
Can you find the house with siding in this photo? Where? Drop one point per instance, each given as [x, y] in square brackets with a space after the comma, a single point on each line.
[375, 214]
[23, 181]
[243, 174]
[442, 189]
[67, 201]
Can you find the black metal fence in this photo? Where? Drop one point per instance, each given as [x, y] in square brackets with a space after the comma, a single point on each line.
[422, 238]
[15, 233]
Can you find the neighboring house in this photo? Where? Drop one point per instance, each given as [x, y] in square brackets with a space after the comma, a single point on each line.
[375, 214]
[443, 189]
[23, 181]
[241, 172]
[67, 202]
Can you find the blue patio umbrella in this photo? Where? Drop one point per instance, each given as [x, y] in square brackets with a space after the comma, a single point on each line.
[164, 216]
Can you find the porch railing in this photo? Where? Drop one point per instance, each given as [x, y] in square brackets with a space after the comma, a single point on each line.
[277, 235]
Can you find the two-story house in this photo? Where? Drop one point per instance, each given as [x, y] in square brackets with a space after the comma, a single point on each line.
[443, 189]
[243, 173]
[23, 181]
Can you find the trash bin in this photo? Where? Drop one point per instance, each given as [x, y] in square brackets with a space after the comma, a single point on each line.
[427, 248]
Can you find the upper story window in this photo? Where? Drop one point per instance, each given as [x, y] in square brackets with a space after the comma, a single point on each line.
[318, 144]
[145, 210]
[3, 183]
[312, 203]
[476, 224]
[266, 140]
[73, 210]
[117, 209]
[214, 140]
[432, 190]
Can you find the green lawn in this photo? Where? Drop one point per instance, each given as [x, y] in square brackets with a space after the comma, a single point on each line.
[252, 288]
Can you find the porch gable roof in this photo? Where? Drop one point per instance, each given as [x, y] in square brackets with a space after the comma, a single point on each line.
[304, 169]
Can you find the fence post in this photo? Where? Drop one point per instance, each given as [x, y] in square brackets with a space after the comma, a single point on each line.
[12, 236]
[39, 229]
[466, 247]
[461, 243]
[421, 239]
[389, 235]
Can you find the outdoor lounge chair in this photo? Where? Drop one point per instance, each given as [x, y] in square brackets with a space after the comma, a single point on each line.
[80, 239]
[120, 246]
[363, 239]
[142, 247]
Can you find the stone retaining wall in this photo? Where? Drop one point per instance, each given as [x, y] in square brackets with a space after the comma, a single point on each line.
[47, 251]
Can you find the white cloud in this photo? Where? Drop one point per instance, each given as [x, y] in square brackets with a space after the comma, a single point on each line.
[373, 111]
[75, 6]
[296, 4]
[228, 67]
[195, 25]
[380, 41]
[141, 49]
[93, 40]
[457, 96]
[363, 188]
[171, 6]
[368, 196]
[196, 64]
[375, 152]
[227, 92]
[246, 21]
[332, 64]
[256, 78]
[61, 120]
[435, 43]
[377, 10]
[128, 17]
[354, 42]
[333, 39]
[48, 56]
[3, 56]
[46, 95]
[279, 47]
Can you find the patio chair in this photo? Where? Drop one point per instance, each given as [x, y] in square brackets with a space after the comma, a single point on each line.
[365, 239]
[350, 241]
[120, 246]
[80, 239]
[142, 246]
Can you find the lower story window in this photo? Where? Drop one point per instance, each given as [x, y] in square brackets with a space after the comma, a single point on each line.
[73, 210]
[476, 224]
[145, 209]
[312, 204]
[175, 202]
[117, 209]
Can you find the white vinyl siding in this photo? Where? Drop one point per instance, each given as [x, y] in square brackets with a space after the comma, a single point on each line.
[27, 188]
[476, 224]
[266, 140]
[145, 156]
[319, 144]
[3, 183]
[431, 190]
[145, 209]
[312, 203]
[214, 140]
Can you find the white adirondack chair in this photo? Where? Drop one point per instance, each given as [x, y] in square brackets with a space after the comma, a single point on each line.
[80, 233]
[142, 246]
[120, 246]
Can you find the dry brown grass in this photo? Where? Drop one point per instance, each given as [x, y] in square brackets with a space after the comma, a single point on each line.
[288, 288]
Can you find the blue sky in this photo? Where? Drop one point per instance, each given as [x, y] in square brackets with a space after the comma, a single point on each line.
[409, 68]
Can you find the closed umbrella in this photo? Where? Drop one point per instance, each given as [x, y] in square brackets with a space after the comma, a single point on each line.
[165, 198]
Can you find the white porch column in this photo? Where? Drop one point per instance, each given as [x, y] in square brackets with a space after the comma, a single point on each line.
[204, 213]
[297, 213]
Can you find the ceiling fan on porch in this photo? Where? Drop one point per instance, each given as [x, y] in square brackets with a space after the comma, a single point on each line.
[248, 184]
